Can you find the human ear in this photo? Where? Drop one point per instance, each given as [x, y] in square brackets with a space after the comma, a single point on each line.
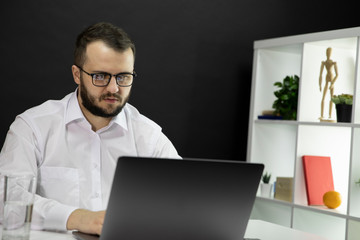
[76, 74]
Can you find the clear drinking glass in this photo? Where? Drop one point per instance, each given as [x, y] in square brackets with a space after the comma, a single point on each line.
[17, 193]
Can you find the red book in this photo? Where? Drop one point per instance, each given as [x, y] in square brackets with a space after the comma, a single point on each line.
[318, 178]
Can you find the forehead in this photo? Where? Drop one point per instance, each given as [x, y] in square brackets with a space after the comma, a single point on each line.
[99, 55]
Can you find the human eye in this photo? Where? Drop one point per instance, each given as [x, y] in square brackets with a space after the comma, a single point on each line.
[98, 76]
[123, 77]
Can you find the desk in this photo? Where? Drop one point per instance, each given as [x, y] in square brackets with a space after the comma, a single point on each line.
[255, 229]
[269, 231]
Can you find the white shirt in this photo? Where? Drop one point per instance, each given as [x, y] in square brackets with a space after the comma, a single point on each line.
[73, 164]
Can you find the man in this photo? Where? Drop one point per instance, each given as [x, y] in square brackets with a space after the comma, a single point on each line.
[72, 144]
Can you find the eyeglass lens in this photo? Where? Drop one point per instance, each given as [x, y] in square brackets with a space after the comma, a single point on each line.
[102, 79]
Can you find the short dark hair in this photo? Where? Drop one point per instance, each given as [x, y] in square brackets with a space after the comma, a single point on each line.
[110, 34]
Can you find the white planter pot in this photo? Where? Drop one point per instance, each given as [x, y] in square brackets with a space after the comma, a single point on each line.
[266, 189]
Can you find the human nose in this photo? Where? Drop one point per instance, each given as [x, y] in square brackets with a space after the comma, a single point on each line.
[112, 86]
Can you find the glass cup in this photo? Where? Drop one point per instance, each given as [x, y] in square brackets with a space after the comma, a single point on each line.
[17, 193]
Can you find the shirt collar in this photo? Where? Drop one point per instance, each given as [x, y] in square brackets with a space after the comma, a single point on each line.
[120, 119]
[73, 113]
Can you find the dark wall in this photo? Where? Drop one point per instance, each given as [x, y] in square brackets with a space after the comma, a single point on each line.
[194, 58]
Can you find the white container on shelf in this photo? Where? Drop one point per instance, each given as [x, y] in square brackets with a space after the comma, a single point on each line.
[266, 189]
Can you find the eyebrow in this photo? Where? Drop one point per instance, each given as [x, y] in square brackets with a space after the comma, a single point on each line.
[99, 71]
[103, 72]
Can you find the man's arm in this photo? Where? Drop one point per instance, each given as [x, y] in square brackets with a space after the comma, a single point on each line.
[164, 148]
[22, 153]
[86, 221]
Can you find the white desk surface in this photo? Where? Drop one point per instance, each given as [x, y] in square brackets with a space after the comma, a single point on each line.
[256, 229]
[269, 231]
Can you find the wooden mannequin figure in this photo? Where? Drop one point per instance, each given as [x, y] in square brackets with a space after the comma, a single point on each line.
[328, 64]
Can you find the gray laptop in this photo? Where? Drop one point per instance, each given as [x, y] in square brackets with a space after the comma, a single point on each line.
[188, 199]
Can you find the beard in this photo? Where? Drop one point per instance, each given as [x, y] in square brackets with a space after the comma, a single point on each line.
[89, 102]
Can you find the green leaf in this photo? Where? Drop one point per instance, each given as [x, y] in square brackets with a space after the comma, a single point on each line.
[286, 97]
[278, 84]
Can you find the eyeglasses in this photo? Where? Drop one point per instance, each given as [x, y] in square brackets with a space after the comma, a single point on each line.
[102, 79]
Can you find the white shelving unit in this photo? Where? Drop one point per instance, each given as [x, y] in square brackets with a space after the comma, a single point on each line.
[280, 144]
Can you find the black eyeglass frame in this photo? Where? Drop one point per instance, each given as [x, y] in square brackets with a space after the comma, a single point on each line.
[111, 75]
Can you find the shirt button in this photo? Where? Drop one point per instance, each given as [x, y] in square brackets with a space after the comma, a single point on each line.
[97, 195]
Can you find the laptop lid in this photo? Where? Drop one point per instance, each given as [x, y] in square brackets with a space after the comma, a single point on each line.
[188, 199]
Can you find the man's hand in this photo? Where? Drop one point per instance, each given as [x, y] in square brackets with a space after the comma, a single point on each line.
[86, 221]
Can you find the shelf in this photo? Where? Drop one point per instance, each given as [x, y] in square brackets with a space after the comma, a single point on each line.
[291, 122]
[354, 218]
[280, 144]
[318, 209]
[289, 57]
[281, 160]
[328, 226]
[266, 121]
[271, 211]
[274, 200]
[344, 54]
[353, 230]
[323, 210]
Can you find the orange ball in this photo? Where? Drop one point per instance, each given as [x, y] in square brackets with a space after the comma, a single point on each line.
[332, 199]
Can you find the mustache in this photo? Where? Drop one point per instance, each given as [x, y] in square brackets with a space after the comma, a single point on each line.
[110, 95]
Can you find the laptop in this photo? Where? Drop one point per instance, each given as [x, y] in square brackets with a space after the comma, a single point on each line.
[179, 199]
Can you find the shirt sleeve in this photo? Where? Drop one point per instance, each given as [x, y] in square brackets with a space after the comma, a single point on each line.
[164, 148]
[21, 153]
[50, 215]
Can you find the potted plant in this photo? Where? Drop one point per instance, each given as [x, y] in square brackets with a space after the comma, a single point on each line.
[343, 105]
[266, 186]
[287, 97]
[266, 177]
